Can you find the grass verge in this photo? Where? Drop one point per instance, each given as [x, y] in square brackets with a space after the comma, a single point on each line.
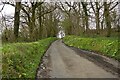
[20, 60]
[103, 45]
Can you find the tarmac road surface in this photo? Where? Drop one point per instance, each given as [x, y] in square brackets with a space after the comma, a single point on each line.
[65, 63]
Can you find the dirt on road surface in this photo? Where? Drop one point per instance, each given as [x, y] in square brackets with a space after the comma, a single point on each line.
[61, 61]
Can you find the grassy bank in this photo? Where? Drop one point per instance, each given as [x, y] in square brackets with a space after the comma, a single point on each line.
[20, 60]
[103, 45]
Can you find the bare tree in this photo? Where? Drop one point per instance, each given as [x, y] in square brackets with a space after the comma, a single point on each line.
[84, 4]
[17, 19]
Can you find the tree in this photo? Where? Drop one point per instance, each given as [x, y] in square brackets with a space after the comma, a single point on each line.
[107, 16]
[17, 19]
[67, 14]
[84, 4]
[96, 10]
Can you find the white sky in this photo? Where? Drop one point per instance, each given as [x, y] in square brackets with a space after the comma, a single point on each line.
[8, 10]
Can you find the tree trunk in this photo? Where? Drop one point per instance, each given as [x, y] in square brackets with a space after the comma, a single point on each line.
[97, 19]
[17, 19]
[107, 19]
[40, 22]
[32, 23]
[86, 16]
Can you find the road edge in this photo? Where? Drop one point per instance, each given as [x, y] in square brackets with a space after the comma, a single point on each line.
[113, 69]
[40, 65]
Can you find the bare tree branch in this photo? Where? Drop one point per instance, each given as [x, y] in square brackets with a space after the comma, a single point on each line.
[114, 6]
[2, 7]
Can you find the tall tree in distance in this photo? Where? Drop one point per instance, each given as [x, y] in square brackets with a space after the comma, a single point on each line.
[96, 10]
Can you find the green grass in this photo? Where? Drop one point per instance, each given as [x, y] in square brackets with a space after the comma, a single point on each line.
[103, 45]
[20, 60]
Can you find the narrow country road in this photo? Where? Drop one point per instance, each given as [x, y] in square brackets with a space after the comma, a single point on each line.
[65, 63]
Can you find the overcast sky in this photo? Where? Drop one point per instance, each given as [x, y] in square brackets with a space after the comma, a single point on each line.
[8, 10]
